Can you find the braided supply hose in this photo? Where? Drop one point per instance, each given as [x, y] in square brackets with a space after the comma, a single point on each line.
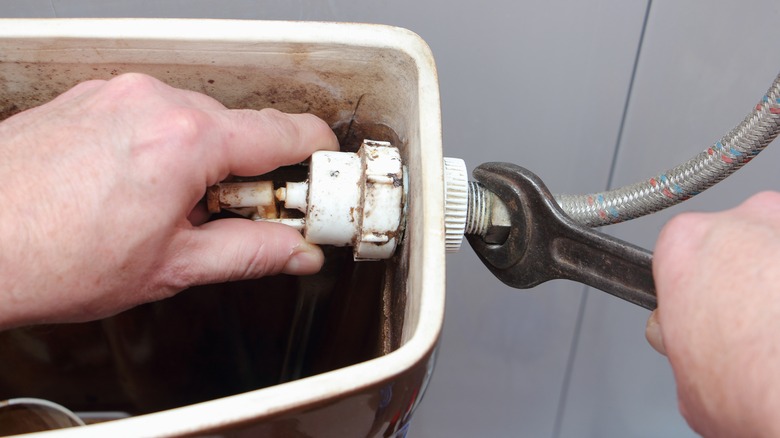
[701, 172]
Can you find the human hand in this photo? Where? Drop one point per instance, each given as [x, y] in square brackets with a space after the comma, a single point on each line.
[100, 192]
[717, 278]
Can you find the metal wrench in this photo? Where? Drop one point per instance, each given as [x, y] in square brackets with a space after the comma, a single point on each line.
[545, 244]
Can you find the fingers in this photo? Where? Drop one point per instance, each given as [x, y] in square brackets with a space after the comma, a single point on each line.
[673, 262]
[238, 249]
[653, 333]
[256, 142]
[241, 142]
[675, 254]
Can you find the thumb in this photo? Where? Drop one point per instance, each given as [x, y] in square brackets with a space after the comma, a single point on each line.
[653, 333]
[238, 249]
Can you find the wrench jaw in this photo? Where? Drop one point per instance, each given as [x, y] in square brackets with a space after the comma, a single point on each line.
[544, 243]
[517, 262]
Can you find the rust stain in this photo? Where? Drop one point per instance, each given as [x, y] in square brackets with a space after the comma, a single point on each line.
[268, 211]
[228, 195]
[9, 110]
[397, 179]
[212, 199]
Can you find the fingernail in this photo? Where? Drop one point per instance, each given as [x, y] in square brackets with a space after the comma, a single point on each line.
[305, 259]
[653, 334]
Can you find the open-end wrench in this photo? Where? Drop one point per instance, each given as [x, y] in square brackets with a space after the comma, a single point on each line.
[545, 244]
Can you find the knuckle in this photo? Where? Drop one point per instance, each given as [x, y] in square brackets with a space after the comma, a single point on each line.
[133, 82]
[184, 124]
[680, 226]
[683, 221]
[680, 235]
[763, 200]
[129, 90]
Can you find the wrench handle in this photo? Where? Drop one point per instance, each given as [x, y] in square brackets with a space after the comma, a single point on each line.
[606, 263]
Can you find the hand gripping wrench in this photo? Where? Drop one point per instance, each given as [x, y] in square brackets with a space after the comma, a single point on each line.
[545, 244]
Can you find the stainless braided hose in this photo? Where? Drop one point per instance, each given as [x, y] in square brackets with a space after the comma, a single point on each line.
[701, 172]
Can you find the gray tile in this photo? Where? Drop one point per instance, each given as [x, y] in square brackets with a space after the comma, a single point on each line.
[702, 70]
[156, 9]
[331, 10]
[26, 9]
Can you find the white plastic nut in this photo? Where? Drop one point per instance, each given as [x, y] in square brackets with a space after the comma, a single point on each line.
[382, 208]
[356, 199]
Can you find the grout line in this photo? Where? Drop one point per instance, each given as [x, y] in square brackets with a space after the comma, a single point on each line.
[561, 410]
[613, 167]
